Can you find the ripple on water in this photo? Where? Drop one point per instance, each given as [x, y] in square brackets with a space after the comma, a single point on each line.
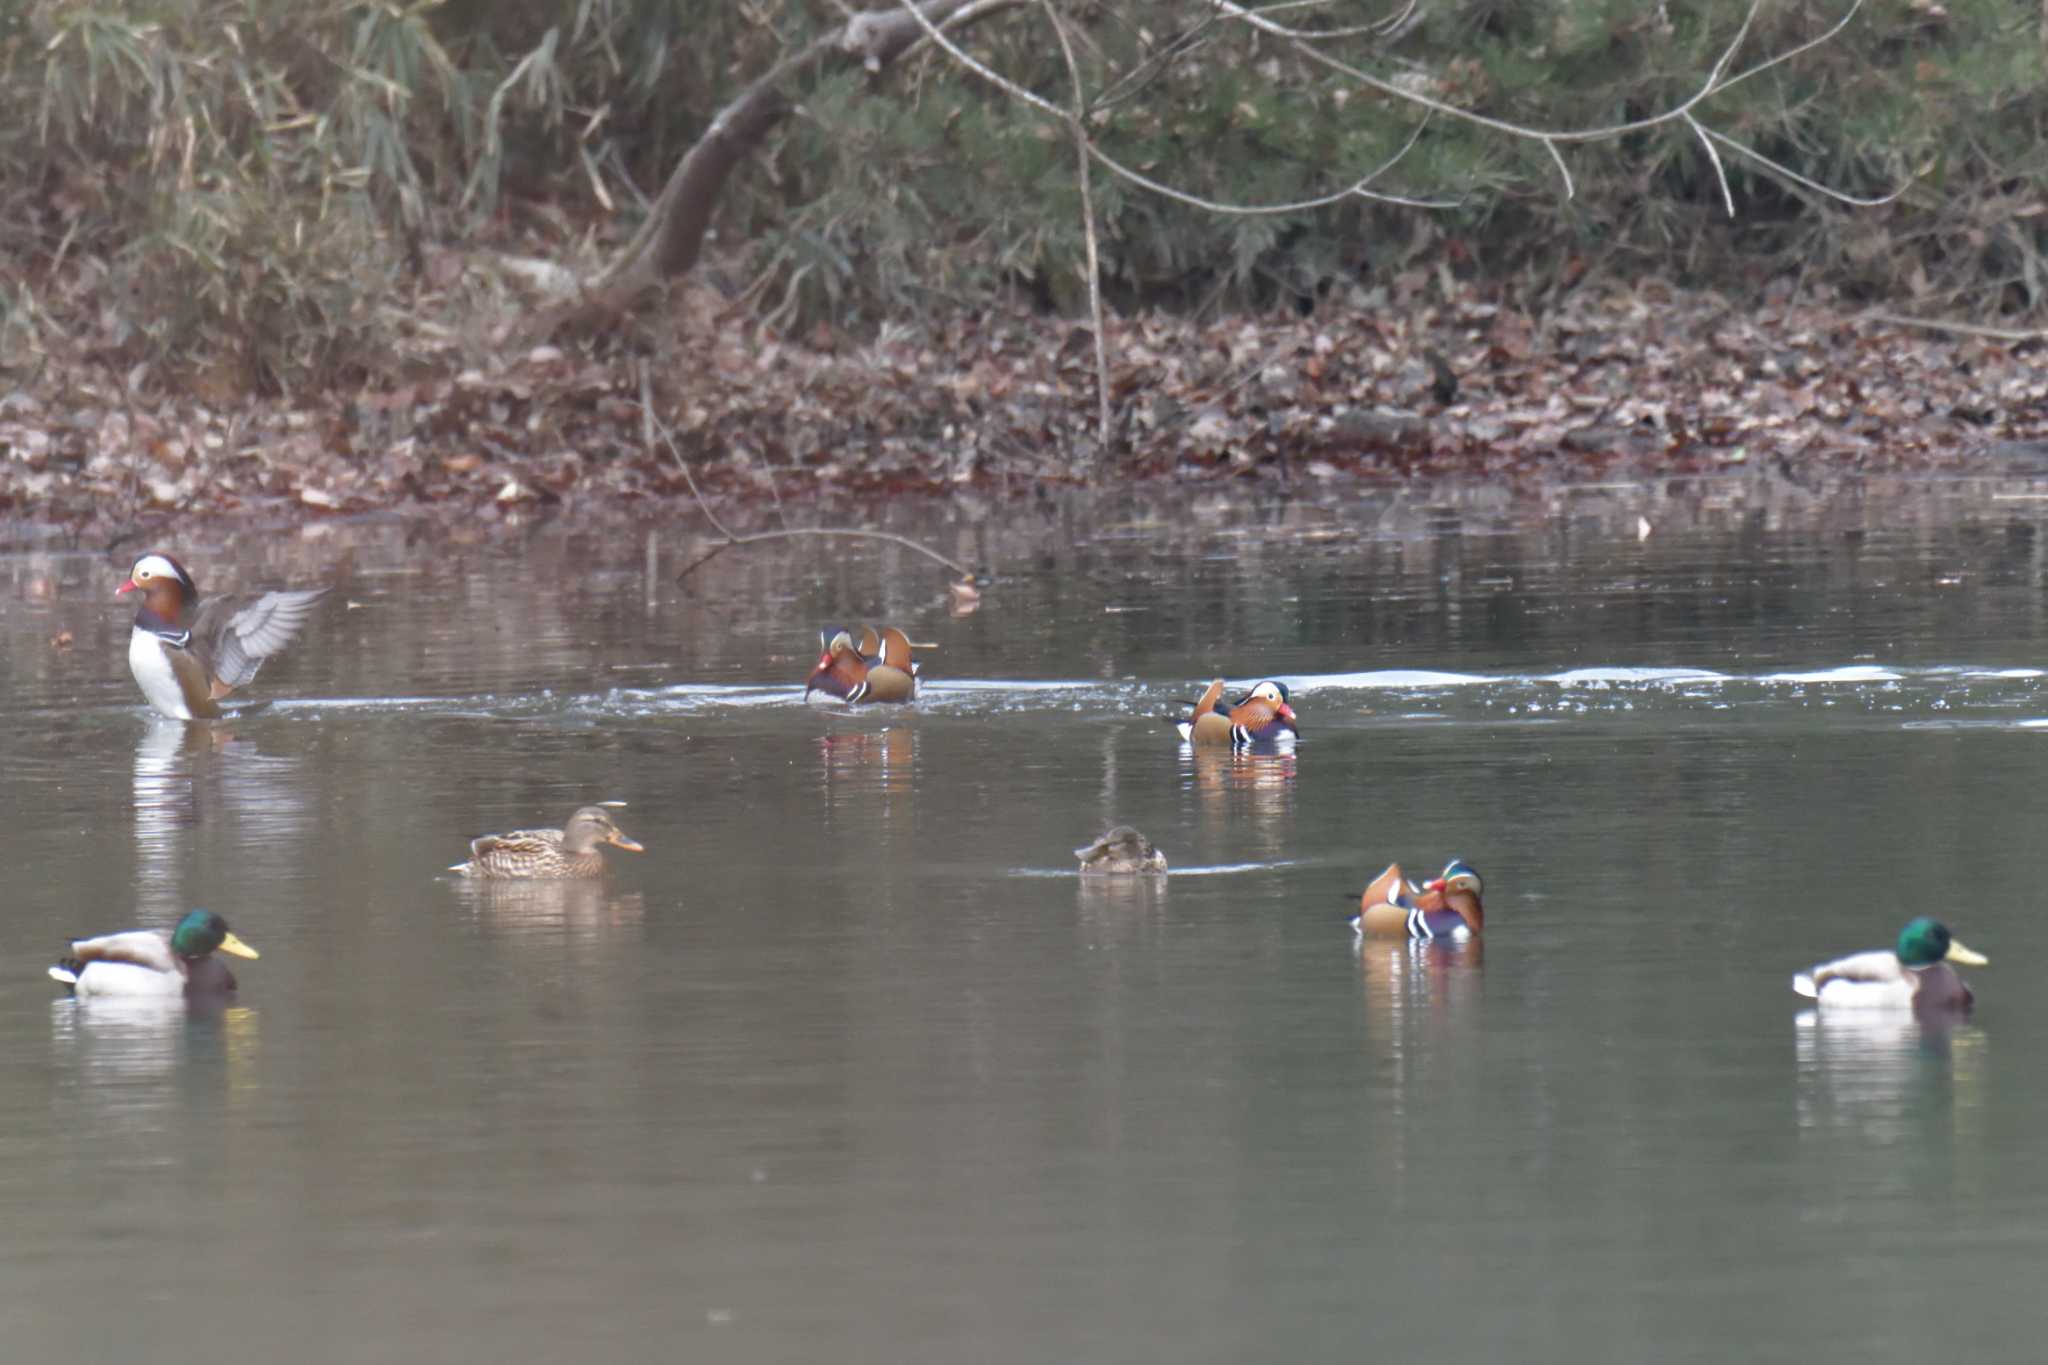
[1427, 695]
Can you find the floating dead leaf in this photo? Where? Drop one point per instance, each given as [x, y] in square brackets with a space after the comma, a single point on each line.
[61, 640]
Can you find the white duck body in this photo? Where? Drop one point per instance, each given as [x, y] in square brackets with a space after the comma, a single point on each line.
[1915, 975]
[141, 963]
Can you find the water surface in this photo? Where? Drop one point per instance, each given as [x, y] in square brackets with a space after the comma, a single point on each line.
[850, 1065]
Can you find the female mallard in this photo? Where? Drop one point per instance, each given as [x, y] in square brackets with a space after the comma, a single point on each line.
[1120, 850]
[567, 852]
[1447, 907]
[1915, 974]
[159, 962]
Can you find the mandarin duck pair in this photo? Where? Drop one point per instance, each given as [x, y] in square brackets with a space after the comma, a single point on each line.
[877, 667]
[1260, 721]
[1446, 909]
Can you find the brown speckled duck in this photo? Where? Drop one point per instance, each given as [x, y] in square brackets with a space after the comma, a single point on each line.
[1120, 850]
[187, 655]
[534, 853]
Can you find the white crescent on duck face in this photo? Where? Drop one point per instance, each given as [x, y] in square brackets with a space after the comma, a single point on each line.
[187, 654]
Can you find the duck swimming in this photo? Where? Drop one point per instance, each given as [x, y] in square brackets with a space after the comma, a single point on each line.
[533, 853]
[1913, 974]
[154, 962]
[1121, 850]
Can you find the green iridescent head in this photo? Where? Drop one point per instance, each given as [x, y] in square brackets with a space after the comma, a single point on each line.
[203, 932]
[1924, 942]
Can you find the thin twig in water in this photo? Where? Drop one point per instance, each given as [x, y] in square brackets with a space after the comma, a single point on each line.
[652, 427]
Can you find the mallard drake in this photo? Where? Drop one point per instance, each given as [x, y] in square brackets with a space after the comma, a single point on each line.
[186, 655]
[567, 852]
[1913, 974]
[876, 668]
[158, 962]
[1120, 850]
[1447, 907]
[1260, 720]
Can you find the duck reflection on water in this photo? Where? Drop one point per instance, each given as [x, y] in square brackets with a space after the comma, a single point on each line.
[859, 764]
[204, 777]
[136, 1057]
[1422, 1009]
[553, 911]
[1877, 1076]
[1239, 791]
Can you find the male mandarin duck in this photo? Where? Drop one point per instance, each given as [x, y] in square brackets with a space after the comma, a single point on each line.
[154, 962]
[1260, 719]
[1913, 974]
[877, 668]
[1120, 850]
[1445, 908]
[535, 853]
[186, 655]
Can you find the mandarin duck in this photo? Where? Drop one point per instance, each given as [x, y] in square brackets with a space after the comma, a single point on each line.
[1259, 720]
[186, 655]
[535, 853]
[154, 962]
[1915, 973]
[1120, 850]
[877, 668]
[1447, 907]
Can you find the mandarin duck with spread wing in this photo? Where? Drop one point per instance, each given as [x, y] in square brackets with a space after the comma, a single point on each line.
[188, 654]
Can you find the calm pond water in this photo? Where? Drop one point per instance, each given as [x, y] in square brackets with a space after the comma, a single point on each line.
[849, 1065]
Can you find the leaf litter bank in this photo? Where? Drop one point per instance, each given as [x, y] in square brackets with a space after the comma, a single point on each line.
[1389, 386]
